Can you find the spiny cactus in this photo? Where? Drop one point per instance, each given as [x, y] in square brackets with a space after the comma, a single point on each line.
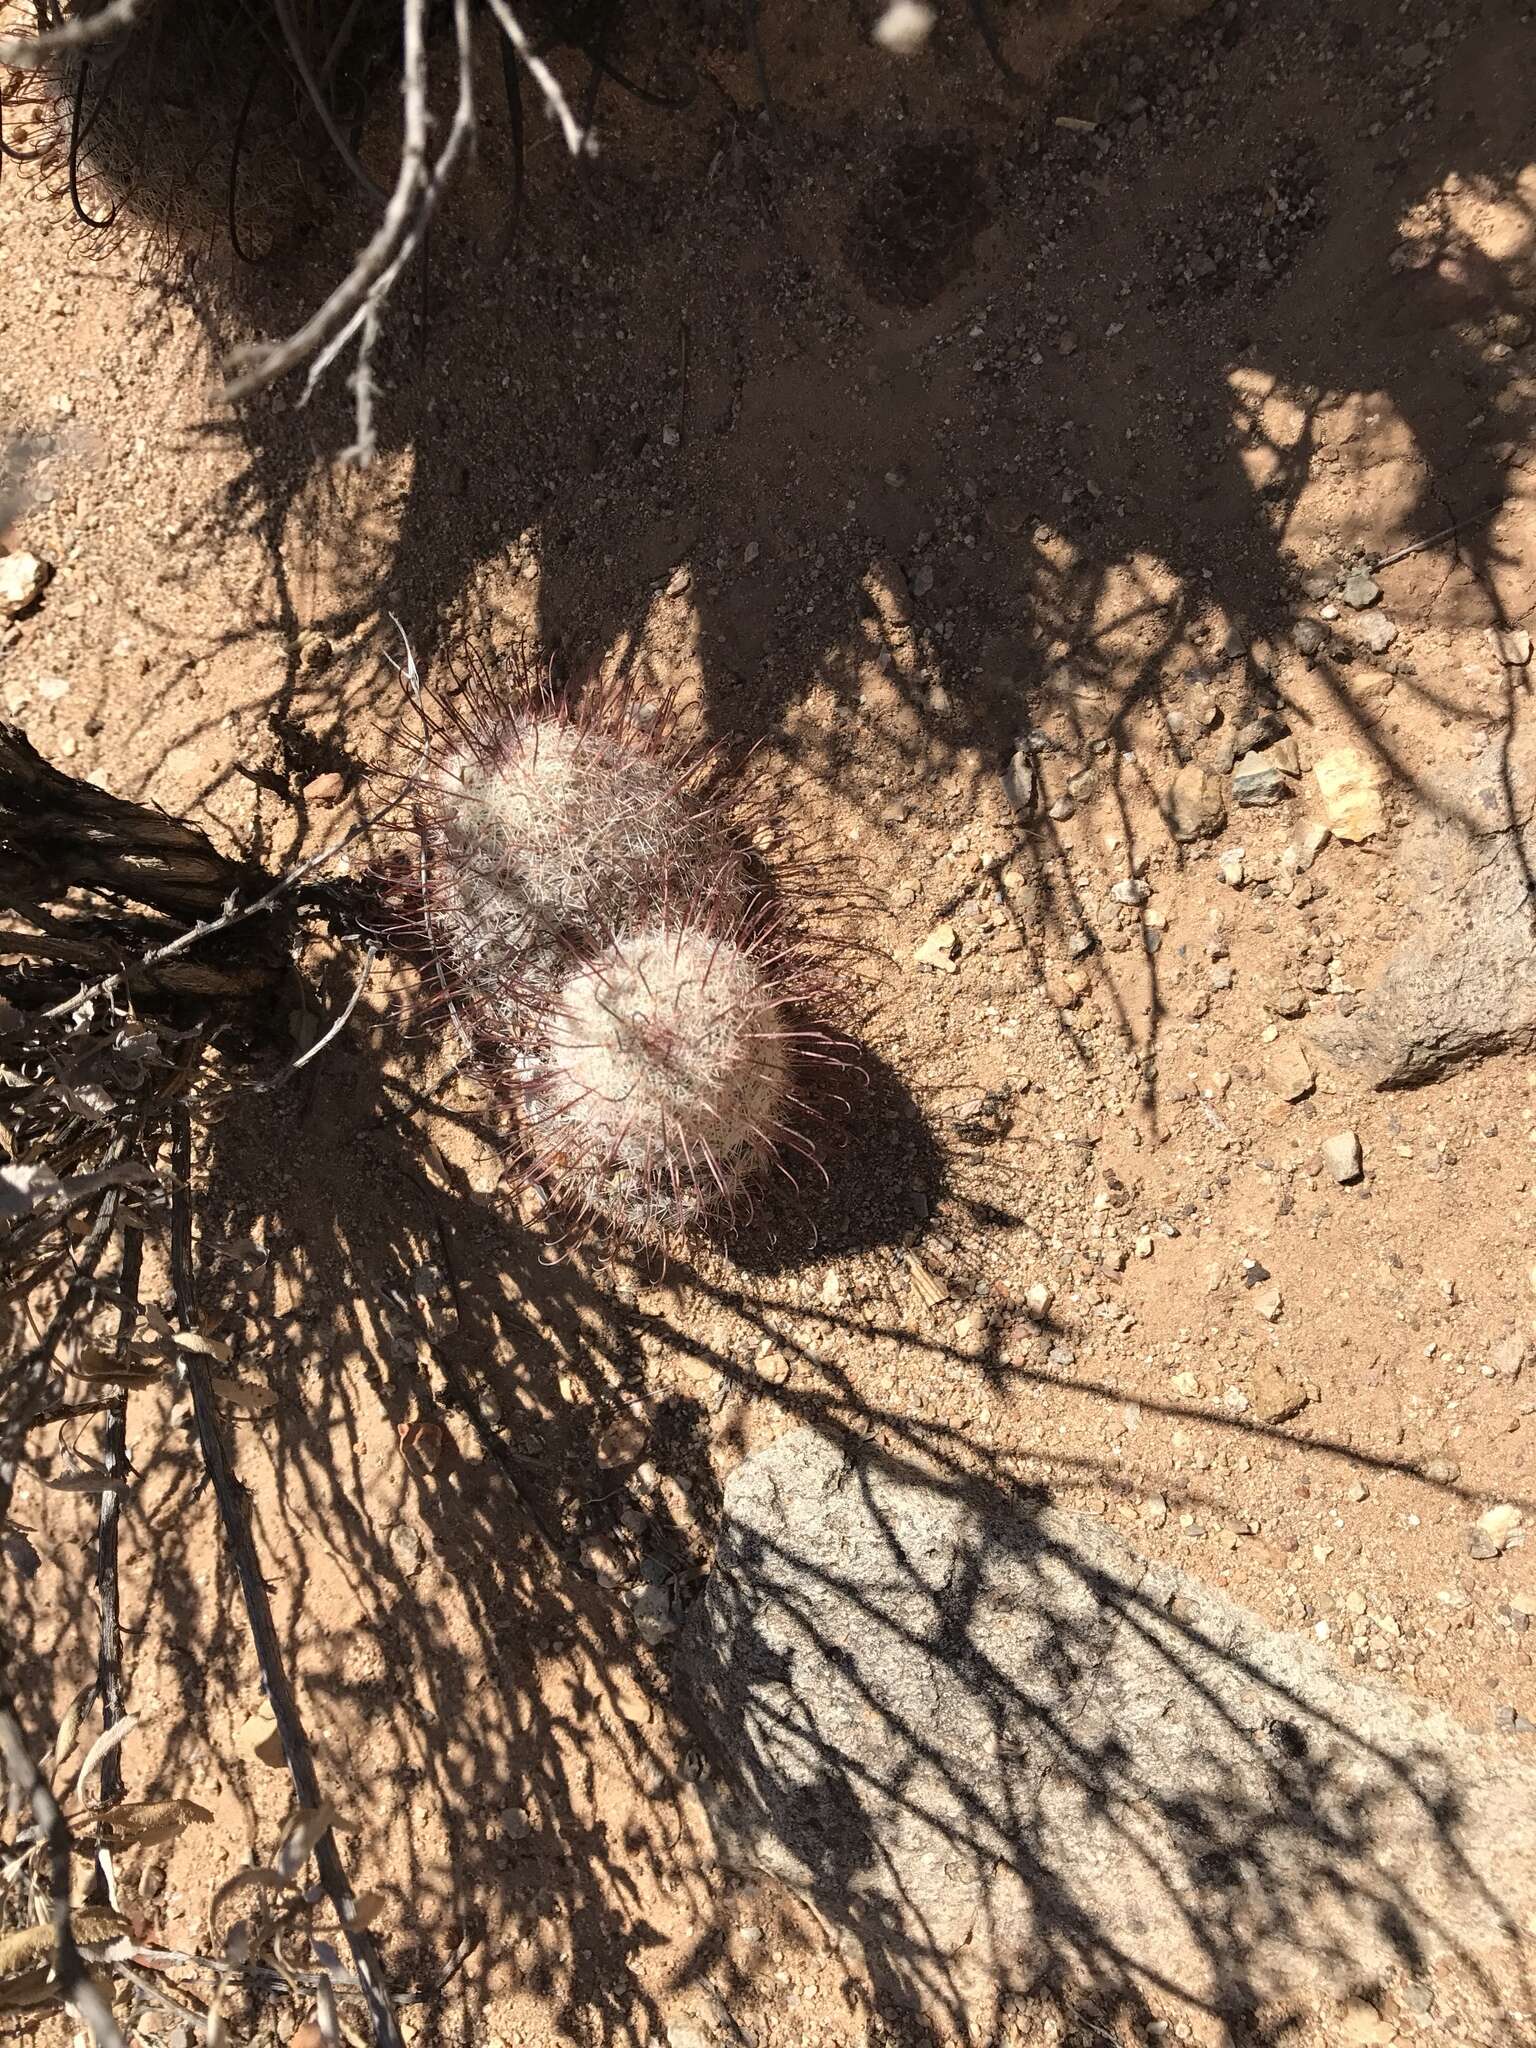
[666, 1079]
[632, 978]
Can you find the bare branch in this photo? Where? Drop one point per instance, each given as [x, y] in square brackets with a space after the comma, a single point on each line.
[232, 915]
[30, 53]
[350, 297]
[74, 1980]
[575, 137]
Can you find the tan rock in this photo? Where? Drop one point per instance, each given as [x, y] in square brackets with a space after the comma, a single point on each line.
[1350, 784]
[939, 950]
[1290, 1071]
[22, 581]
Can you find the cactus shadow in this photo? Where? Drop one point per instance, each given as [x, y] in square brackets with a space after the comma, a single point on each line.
[879, 1178]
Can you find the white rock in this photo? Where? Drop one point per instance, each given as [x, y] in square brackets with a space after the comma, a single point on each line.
[904, 27]
[1341, 1155]
[22, 578]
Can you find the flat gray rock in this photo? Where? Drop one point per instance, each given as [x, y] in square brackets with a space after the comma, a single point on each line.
[1462, 984]
[1004, 1750]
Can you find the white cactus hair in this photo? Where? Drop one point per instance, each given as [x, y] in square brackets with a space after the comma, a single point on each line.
[634, 979]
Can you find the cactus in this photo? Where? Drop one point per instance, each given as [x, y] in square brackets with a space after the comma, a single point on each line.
[666, 1078]
[631, 976]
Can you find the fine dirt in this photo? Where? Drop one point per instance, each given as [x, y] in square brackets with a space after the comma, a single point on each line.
[937, 413]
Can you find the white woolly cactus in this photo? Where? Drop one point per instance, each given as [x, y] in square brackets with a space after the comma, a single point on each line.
[666, 1081]
[622, 958]
[545, 832]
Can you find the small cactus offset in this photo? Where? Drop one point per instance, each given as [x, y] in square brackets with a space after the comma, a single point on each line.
[632, 979]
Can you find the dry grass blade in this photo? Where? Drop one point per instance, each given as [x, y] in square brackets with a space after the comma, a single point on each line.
[304, 1831]
[102, 1748]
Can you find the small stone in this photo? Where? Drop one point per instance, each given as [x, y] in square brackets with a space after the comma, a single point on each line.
[1019, 781]
[904, 27]
[1375, 632]
[1272, 1397]
[1154, 1512]
[1363, 2026]
[1290, 1071]
[1350, 784]
[1196, 807]
[1508, 1356]
[1186, 1386]
[1513, 648]
[1500, 1525]
[680, 581]
[315, 653]
[1038, 1298]
[922, 581]
[324, 789]
[1359, 590]
[1369, 689]
[1079, 944]
[257, 1737]
[1230, 868]
[939, 950]
[405, 1547]
[669, 437]
[1061, 809]
[1131, 892]
[1309, 635]
[23, 578]
[1259, 779]
[1269, 1301]
[1341, 1156]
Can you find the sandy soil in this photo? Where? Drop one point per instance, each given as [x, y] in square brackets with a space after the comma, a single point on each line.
[934, 414]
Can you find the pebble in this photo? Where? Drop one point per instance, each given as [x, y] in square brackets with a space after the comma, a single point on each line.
[939, 950]
[1359, 590]
[1350, 784]
[1260, 780]
[1130, 892]
[1499, 1526]
[1269, 1301]
[1375, 631]
[904, 27]
[1062, 809]
[1341, 1156]
[1290, 1071]
[1512, 647]
[1508, 1356]
[22, 580]
[1272, 1397]
[1196, 807]
[1309, 635]
[1019, 782]
[1230, 868]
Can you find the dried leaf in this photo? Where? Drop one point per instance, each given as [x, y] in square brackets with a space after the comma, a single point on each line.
[26, 1956]
[69, 1727]
[102, 1748]
[246, 1397]
[26, 1966]
[215, 2033]
[94, 1480]
[304, 1830]
[144, 1821]
[101, 1368]
[215, 1348]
